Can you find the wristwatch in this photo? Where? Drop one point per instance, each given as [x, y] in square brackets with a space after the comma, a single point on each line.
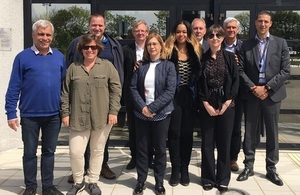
[267, 87]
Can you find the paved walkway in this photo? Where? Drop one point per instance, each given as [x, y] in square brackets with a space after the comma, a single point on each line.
[11, 175]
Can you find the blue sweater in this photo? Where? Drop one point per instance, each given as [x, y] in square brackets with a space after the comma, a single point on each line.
[36, 82]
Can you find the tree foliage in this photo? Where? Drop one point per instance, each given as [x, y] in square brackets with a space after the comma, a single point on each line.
[286, 24]
[161, 25]
[68, 23]
[119, 25]
[244, 19]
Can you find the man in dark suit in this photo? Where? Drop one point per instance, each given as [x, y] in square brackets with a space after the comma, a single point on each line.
[199, 29]
[264, 68]
[132, 54]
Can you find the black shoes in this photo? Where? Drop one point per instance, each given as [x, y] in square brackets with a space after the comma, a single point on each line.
[107, 173]
[139, 188]
[174, 180]
[185, 178]
[52, 190]
[131, 164]
[29, 191]
[245, 174]
[159, 189]
[207, 186]
[222, 189]
[274, 178]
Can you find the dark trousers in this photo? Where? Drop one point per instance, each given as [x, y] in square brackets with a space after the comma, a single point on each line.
[155, 133]
[132, 130]
[31, 127]
[132, 135]
[254, 109]
[180, 137]
[236, 138]
[216, 131]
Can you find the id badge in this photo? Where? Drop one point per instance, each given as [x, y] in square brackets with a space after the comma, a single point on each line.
[262, 75]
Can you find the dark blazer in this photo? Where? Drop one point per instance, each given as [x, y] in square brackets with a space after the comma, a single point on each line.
[238, 46]
[277, 67]
[205, 46]
[129, 52]
[165, 87]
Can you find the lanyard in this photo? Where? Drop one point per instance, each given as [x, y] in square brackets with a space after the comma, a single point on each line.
[262, 55]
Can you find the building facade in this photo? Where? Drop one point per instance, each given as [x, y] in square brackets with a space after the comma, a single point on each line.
[17, 16]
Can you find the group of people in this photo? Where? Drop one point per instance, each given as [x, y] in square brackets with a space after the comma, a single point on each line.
[195, 70]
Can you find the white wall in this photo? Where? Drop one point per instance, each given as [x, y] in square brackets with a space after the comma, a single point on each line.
[11, 14]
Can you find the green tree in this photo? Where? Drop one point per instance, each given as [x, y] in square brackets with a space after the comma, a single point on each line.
[68, 24]
[119, 25]
[286, 24]
[244, 19]
[161, 25]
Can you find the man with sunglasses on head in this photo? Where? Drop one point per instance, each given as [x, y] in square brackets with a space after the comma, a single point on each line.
[112, 52]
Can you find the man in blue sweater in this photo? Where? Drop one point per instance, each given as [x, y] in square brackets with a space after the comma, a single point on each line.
[35, 82]
[112, 52]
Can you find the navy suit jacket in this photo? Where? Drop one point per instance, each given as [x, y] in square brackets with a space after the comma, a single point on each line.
[277, 67]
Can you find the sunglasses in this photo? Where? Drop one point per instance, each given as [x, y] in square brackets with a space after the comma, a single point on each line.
[211, 36]
[93, 47]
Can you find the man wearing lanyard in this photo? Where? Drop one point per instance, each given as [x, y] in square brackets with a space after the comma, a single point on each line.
[264, 68]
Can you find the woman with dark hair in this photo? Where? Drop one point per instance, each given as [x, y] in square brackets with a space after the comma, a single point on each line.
[90, 104]
[153, 87]
[183, 49]
[218, 86]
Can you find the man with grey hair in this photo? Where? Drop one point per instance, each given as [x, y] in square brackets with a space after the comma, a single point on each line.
[35, 82]
[233, 44]
[199, 29]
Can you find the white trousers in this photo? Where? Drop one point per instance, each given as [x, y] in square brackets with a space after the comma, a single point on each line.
[78, 141]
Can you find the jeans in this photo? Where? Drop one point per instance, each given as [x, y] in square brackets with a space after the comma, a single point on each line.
[50, 127]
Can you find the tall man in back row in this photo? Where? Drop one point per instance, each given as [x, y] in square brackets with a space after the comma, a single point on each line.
[264, 68]
[113, 52]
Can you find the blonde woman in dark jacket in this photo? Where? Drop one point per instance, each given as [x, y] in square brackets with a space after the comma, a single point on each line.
[153, 87]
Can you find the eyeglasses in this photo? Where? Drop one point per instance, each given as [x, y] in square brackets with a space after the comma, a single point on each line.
[87, 47]
[211, 36]
[154, 44]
